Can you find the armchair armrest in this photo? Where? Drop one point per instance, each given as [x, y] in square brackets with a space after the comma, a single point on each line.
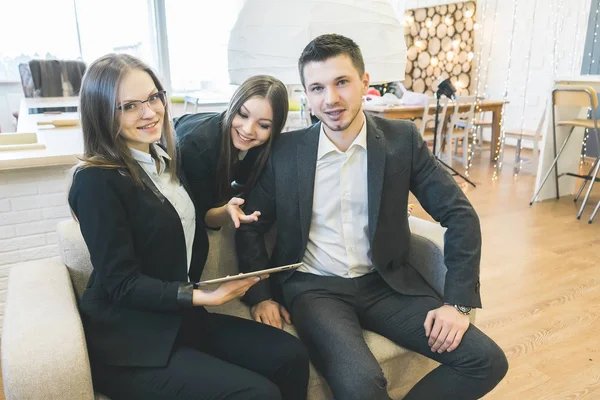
[427, 251]
[44, 353]
[429, 230]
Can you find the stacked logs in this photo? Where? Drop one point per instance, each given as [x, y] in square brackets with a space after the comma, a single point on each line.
[440, 44]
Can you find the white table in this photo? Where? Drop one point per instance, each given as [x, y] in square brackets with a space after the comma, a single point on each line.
[62, 145]
[569, 160]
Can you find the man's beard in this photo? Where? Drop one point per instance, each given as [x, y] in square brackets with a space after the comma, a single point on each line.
[342, 127]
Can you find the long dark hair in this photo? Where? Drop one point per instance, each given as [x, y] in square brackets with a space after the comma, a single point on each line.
[103, 144]
[263, 86]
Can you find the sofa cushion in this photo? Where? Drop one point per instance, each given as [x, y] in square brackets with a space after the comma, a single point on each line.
[74, 254]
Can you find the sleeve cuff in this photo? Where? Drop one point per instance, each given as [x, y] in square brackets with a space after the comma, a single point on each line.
[257, 293]
[185, 294]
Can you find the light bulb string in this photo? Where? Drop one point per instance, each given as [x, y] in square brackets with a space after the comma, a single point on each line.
[500, 145]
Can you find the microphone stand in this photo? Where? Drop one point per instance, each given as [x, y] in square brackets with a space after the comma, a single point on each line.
[435, 135]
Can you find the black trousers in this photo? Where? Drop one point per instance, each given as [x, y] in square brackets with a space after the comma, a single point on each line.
[216, 357]
[329, 314]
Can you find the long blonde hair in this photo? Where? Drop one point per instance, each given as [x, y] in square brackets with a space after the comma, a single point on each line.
[103, 144]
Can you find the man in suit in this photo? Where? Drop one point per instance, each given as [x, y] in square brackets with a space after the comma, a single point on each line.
[338, 193]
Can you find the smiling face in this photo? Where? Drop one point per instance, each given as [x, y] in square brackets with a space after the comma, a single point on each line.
[143, 127]
[252, 125]
[334, 89]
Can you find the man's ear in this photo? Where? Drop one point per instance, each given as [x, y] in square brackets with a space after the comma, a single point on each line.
[366, 79]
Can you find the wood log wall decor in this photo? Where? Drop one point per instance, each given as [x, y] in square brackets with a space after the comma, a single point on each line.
[440, 43]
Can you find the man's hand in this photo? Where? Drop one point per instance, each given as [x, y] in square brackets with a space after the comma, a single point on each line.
[445, 328]
[237, 214]
[270, 312]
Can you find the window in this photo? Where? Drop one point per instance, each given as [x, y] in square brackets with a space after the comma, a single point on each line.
[197, 33]
[116, 26]
[198, 36]
[64, 29]
[36, 29]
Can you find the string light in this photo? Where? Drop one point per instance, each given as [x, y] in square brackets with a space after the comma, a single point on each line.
[578, 36]
[587, 131]
[517, 167]
[595, 36]
[500, 145]
[585, 139]
[558, 28]
[473, 144]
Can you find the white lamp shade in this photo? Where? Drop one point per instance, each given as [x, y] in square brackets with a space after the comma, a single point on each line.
[269, 36]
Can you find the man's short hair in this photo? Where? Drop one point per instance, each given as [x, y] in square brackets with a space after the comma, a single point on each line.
[327, 46]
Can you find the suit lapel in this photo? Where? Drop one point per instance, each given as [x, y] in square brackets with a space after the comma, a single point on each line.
[149, 183]
[376, 155]
[306, 162]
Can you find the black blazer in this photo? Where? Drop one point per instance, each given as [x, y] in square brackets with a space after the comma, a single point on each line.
[130, 308]
[199, 142]
[398, 162]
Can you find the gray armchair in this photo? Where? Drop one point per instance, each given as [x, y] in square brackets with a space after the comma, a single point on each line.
[44, 354]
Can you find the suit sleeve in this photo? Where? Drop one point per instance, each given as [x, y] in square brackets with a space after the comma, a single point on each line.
[250, 238]
[200, 175]
[103, 222]
[442, 198]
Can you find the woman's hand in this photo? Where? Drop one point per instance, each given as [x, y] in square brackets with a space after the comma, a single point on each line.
[225, 292]
[237, 214]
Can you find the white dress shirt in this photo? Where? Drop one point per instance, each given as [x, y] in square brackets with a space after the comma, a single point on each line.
[174, 192]
[338, 241]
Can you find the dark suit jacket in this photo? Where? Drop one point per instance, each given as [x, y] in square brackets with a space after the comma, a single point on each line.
[398, 162]
[130, 309]
[199, 141]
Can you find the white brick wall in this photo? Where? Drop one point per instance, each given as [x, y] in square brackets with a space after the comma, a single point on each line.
[32, 202]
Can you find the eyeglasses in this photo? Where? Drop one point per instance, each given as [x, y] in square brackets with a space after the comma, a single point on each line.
[135, 109]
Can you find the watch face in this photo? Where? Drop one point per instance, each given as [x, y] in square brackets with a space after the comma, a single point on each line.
[464, 309]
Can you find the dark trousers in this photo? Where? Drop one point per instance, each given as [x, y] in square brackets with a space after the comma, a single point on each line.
[216, 357]
[329, 314]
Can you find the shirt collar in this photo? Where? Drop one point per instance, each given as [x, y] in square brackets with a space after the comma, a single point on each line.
[146, 158]
[326, 146]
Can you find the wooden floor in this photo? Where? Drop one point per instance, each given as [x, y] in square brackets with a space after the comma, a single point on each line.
[540, 282]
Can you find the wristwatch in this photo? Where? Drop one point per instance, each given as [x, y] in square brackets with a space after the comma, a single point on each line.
[464, 310]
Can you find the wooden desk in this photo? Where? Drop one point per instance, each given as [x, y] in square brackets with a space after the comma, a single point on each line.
[62, 145]
[408, 112]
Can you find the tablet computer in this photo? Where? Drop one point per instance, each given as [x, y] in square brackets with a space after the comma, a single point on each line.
[250, 274]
